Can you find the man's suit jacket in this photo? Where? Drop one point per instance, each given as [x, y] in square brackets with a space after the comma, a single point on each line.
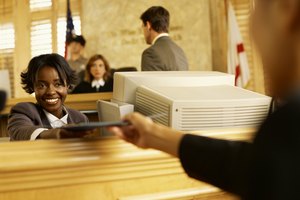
[267, 168]
[25, 118]
[164, 55]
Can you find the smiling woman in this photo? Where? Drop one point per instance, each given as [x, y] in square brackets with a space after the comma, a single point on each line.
[48, 76]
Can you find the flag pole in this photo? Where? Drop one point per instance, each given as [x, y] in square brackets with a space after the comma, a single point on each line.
[227, 31]
[69, 28]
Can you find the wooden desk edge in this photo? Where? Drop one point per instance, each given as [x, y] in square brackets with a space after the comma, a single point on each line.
[36, 164]
[74, 101]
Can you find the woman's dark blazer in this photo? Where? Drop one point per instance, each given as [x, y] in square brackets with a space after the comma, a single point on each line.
[25, 118]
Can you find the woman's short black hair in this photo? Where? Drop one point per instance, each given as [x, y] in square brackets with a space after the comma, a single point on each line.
[66, 74]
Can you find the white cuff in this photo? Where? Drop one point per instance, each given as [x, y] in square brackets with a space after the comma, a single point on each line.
[36, 133]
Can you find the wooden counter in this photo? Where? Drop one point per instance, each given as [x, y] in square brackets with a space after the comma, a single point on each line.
[81, 102]
[99, 169]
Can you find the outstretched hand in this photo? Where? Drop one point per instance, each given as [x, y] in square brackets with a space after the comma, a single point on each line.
[139, 128]
[144, 133]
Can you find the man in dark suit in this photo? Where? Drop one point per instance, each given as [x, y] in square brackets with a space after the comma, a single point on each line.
[163, 54]
[268, 167]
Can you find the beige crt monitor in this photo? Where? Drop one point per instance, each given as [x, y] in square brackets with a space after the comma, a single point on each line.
[203, 107]
[126, 83]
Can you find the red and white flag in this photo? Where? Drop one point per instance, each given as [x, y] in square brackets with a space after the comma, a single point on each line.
[237, 58]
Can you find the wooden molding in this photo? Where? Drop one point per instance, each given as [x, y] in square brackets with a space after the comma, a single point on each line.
[89, 169]
[187, 194]
[76, 101]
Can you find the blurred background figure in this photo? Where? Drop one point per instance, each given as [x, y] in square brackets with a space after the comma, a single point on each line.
[77, 61]
[97, 76]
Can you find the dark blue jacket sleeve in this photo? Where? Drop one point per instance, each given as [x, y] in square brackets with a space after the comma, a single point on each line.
[222, 163]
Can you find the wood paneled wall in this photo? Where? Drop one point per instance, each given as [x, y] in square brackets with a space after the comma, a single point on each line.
[113, 28]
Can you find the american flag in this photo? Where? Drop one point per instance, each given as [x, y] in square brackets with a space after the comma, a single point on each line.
[237, 58]
[70, 28]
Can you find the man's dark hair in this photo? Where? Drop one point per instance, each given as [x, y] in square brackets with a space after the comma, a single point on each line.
[76, 38]
[158, 17]
[66, 74]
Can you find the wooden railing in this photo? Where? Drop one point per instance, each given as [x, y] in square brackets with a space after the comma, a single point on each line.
[93, 169]
[75, 101]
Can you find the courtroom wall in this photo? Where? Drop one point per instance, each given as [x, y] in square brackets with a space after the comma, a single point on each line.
[113, 28]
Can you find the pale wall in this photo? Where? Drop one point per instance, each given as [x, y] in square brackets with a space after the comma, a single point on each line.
[113, 28]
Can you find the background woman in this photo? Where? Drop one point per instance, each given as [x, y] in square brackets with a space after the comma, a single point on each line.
[97, 78]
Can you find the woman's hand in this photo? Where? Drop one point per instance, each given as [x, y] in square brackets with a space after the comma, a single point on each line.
[58, 133]
[144, 133]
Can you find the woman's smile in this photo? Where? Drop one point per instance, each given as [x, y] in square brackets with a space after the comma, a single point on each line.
[51, 101]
